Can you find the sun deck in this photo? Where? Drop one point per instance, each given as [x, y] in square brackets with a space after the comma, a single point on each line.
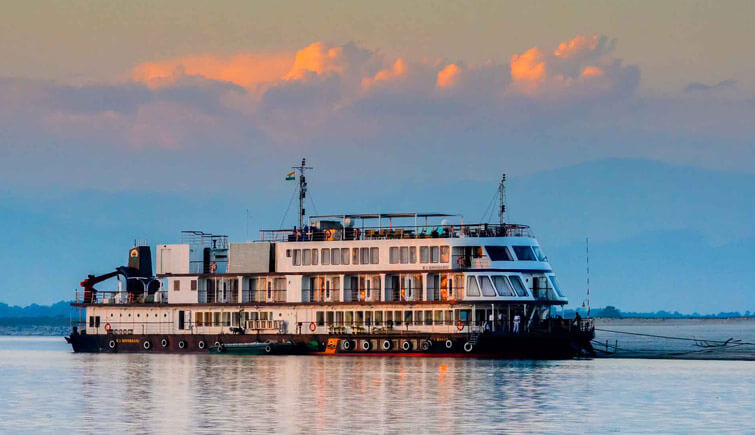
[381, 226]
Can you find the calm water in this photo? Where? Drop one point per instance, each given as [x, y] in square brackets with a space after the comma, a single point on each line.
[47, 388]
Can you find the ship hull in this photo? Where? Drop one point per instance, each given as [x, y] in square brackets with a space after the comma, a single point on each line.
[491, 345]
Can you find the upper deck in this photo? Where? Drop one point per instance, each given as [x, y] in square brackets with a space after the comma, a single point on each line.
[381, 226]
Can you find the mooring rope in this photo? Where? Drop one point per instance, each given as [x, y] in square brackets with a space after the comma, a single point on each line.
[697, 340]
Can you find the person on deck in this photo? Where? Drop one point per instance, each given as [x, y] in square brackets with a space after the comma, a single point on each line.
[517, 319]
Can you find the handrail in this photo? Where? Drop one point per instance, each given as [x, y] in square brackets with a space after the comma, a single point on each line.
[397, 232]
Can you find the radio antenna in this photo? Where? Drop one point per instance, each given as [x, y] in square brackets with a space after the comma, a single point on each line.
[501, 203]
[587, 259]
[302, 190]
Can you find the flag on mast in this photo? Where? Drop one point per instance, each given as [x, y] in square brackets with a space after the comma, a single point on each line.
[290, 176]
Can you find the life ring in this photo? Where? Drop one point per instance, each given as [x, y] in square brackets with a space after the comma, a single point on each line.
[164, 342]
[346, 345]
[460, 325]
[218, 344]
[366, 345]
[147, 345]
[407, 346]
[460, 262]
[108, 328]
[449, 344]
[387, 345]
[268, 349]
[426, 345]
[112, 344]
[312, 326]
[181, 344]
[468, 347]
[201, 344]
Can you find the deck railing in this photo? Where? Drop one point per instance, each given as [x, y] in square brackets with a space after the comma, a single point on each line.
[399, 232]
[121, 297]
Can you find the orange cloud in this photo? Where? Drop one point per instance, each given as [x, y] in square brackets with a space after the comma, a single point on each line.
[529, 69]
[580, 43]
[247, 71]
[448, 76]
[592, 71]
[399, 69]
[317, 58]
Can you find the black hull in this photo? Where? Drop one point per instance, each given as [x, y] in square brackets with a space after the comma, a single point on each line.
[562, 345]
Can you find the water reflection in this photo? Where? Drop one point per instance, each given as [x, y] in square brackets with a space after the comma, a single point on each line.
[48, 388]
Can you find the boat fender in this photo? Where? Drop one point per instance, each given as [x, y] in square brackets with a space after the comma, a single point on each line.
[468, 347]
[112, 344]
[201, 344]
[407, 345]
[346, 345]
[387, 345]
[426, 345]
[312, 326]
[449, 344]
[181, 344]
[366, 345]
[268, 349]
[147, 345]
[460, 325]
[164, 342]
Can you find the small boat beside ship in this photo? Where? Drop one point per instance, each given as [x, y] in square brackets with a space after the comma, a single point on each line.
[422, 284]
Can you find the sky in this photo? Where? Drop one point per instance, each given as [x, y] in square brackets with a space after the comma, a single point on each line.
[203, 106]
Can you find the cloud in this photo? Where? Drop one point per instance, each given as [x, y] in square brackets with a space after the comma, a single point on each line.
[702, 87]
[565, 103]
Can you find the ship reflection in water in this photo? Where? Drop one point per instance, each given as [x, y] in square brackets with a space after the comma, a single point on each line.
[50, 389]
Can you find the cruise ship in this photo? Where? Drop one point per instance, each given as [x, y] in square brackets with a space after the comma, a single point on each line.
[419, 284]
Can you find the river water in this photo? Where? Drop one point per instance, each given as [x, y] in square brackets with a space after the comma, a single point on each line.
[46, 388]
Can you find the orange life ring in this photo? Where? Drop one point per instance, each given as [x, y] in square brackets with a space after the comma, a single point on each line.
[312, 326]
[108, 327]
[460, 325]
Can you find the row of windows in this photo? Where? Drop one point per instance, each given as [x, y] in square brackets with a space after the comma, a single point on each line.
[334, 256]
[427, 254]
[501, 285]
[523, 253]
[227, 319]
[380, 318]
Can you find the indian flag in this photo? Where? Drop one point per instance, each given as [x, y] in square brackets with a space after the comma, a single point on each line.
[290, 176]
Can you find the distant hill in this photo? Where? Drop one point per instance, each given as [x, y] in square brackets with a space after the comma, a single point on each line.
[59, 309]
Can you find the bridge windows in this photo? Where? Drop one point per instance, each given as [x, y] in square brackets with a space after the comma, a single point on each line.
[524, 253]
[518, 285]
[499, 253]
[503, 286]
[473, 289]
[325, 256]
[486, 286]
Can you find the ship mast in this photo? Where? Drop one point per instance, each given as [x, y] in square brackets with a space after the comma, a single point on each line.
[302, 190]
[502, 208]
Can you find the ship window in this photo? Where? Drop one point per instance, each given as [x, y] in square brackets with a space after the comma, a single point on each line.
[413, 254]
[538, 253]
[438, 317]
[199, 317]
[503, 286]
[404, 255]
[325, 256]
[216, 319]
[552, 278]
[176, 285]
[335, 256]
[499, 253]
[365, 254]
[393, 254]
[378, 316]
[315, 253]
[524, 253]
[428, 317]
[329, 318]
[374, 256]
[518, 285]
[434, 254]
[397, 317]
[349, 317]
[288, 253]
[444, 254]
[306, 257]
[408, 317]
[376, 283]
[487, 286]
[424, 255]
[297, 257]
[339, 317]
[472, 288]
[344, 255]
[320, 318]
[359, 317]
[194, 284]
[355, 256]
